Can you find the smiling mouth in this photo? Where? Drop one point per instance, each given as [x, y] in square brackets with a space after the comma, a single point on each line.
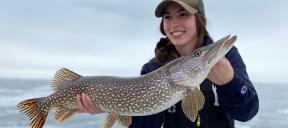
[177, 34]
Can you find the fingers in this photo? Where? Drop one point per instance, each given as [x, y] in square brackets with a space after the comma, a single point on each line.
[222, 62]
[91, 105]
[222, 72]
[86, 105]
[80, 104]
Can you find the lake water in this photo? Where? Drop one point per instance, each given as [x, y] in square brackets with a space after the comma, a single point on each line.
[273, 111]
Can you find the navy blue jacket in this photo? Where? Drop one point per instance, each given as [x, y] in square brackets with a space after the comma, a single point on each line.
[237, 99]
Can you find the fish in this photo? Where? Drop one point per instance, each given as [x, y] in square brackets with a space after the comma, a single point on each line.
[124, 97]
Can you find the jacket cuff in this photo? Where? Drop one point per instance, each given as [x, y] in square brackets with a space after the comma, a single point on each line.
[235, 85]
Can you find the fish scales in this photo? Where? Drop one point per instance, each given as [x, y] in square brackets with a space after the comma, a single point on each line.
[123, 97]
[131, 96]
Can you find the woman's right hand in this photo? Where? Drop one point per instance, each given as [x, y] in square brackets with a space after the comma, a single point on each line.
[86, 105]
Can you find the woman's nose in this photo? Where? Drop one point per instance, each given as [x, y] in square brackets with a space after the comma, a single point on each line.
[175, 22]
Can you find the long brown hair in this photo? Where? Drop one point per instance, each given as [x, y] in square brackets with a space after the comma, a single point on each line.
[165, 51]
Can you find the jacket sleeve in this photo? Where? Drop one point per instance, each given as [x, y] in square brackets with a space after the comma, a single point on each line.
[238, 98]
[151, 121]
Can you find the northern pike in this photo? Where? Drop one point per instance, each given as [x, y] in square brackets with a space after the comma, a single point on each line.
[123, 97]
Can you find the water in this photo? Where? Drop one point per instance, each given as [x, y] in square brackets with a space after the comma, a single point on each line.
[273, 106]
[14, 91]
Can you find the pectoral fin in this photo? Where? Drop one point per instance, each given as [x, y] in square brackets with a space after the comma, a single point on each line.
[199, 97]
[189, 106]
[192, 103]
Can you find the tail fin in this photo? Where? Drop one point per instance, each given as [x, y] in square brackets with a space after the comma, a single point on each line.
[30, 108]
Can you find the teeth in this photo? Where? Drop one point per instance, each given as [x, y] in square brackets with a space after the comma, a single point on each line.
[177, 33]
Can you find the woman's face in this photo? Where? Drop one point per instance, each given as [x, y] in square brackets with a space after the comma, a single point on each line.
[180, 26]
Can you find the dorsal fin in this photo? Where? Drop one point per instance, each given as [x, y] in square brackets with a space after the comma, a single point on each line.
[63, 76]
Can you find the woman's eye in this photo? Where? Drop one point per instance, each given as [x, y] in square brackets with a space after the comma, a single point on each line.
[184, 14]
[166, 17]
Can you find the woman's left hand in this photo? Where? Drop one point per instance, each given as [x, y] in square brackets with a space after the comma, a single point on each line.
[222, 72]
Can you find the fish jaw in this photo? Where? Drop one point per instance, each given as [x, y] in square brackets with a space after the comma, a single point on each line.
[218, 50]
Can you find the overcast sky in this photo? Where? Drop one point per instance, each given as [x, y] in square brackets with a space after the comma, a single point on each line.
[116, 37]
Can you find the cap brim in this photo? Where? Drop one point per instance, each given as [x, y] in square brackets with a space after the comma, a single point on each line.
[160, 8]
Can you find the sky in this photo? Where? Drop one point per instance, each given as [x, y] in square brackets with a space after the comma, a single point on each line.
[116, 37]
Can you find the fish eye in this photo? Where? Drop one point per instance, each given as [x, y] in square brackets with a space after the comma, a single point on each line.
[198, 53]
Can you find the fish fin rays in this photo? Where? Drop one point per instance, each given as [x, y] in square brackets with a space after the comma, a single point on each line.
[113, 117]
[30, 108]
[62, 114]
[199, 98]
[125, 120]
[189, 106]
[110, 119]
[63, 76]
[192, 103]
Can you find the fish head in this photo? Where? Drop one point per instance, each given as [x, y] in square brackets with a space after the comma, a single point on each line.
[216, 51]
[194, 67]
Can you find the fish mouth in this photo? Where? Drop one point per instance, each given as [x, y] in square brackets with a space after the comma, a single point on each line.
[219, 49]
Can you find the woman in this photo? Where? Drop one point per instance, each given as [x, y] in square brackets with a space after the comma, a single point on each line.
[229, 94]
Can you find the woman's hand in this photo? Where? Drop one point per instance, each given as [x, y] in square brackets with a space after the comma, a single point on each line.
[222, 72]
[86, 105]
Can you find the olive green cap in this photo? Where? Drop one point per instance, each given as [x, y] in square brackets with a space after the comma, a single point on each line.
[192, 6]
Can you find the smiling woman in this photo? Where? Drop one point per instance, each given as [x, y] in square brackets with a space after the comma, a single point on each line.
[229, 93]
[31, 28]
[179, 26]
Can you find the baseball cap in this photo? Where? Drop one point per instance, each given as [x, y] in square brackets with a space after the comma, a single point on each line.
[192, 6]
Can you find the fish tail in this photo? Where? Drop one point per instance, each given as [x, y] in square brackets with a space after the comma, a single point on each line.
[36, 116]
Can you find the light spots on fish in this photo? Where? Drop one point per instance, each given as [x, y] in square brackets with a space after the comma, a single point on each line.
[129, 97]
